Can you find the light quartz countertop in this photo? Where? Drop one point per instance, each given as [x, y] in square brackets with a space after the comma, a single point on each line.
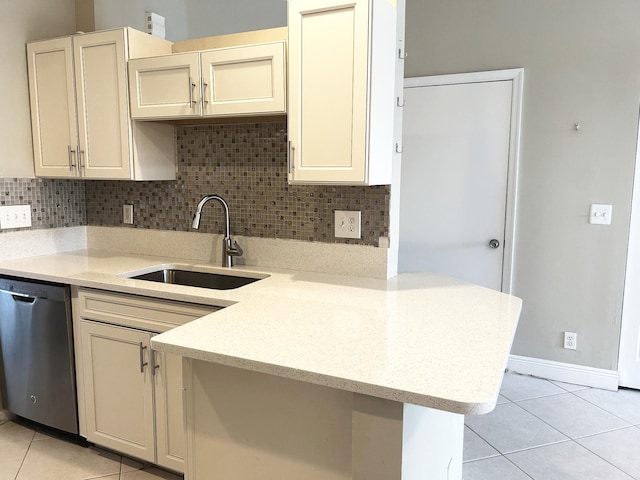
[421, 338]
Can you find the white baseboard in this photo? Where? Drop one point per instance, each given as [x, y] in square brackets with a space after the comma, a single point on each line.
[564, 372]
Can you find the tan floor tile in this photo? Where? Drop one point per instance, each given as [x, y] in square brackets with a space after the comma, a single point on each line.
[41, 436]
[129, 465]
[54, 459]
[11, 456]
[12, 432]
[150, 474]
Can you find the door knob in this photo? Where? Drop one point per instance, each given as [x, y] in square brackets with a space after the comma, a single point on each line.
[494, 243]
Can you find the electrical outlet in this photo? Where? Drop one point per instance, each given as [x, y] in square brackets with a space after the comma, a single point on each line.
[570, 340]
[15, 216]
[348, 224]
[127, 214]
[600, 214]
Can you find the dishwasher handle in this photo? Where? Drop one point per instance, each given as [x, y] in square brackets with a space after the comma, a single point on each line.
[19, 297]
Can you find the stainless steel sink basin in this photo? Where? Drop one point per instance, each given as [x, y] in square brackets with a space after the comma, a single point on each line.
[190, 278]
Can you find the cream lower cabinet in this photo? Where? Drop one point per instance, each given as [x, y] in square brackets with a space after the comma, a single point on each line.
[80, 109]
[130, 398]
[119, 388]
[342, 90]
[234, 81]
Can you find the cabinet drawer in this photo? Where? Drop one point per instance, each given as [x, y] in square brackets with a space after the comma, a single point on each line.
[151, 314]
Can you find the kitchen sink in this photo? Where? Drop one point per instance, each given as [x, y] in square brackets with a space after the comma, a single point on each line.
[177, 276]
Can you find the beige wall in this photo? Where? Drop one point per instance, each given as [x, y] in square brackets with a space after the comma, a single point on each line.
[21, 22]
[185, 19]
[582, 64]
[85, 17]
[131, 13]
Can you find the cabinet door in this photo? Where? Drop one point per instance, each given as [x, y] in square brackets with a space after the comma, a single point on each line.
[170, 433]
[328, 91]
[244, 80]
[118, 388]
[101, 92]
[166, 86]
[53, 107]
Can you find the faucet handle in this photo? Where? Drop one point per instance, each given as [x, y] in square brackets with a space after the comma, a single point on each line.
[234, 249]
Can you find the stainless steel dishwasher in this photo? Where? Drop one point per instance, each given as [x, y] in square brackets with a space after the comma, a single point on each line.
[37, 374]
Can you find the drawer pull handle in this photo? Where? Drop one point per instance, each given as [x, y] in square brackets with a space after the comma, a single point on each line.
[204, 93]
[155, 365]
[192, 85]
[71, 152]
[142, 362]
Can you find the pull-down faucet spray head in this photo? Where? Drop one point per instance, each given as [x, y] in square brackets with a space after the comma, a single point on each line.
[196, 220]
[230, 248]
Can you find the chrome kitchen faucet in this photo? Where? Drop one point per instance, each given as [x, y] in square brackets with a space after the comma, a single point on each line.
[230, 248]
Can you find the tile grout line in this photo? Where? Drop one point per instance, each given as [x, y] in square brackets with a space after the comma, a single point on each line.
[605, 460]
[577, 444]
[583, 436]
[546, 423]
[504, 455]
[573, 439]
[603, 409]
[570, 438]
[518, 467]
[25, 455]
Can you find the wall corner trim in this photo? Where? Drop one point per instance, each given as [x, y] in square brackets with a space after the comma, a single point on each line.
[564, 372]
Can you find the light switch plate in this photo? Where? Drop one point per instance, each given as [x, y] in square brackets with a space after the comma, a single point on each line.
[15, 216]
[348, 224]
[600, 214]
[127, 214]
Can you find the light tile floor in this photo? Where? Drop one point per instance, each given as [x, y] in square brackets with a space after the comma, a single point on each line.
[29, 454]
[540, 430]
[544, 430]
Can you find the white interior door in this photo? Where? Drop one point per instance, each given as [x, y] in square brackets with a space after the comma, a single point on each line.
[629, 357]
[456, 207]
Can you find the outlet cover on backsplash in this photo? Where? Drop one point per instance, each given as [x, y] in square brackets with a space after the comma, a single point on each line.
[54, 203]
[246, 164]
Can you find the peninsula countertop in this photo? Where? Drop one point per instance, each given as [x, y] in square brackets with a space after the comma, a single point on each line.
[416, 338]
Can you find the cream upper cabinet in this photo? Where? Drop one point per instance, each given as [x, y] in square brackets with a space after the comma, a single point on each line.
[233, 81]
[342, 91]
[103, 123]
[245, 80]
[53, 114]
[80, 109]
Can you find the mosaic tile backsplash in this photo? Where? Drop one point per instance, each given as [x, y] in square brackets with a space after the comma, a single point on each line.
[54, 203]
[246, 164]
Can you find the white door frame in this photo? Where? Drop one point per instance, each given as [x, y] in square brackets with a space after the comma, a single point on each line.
[631, 302]
[516, 76]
